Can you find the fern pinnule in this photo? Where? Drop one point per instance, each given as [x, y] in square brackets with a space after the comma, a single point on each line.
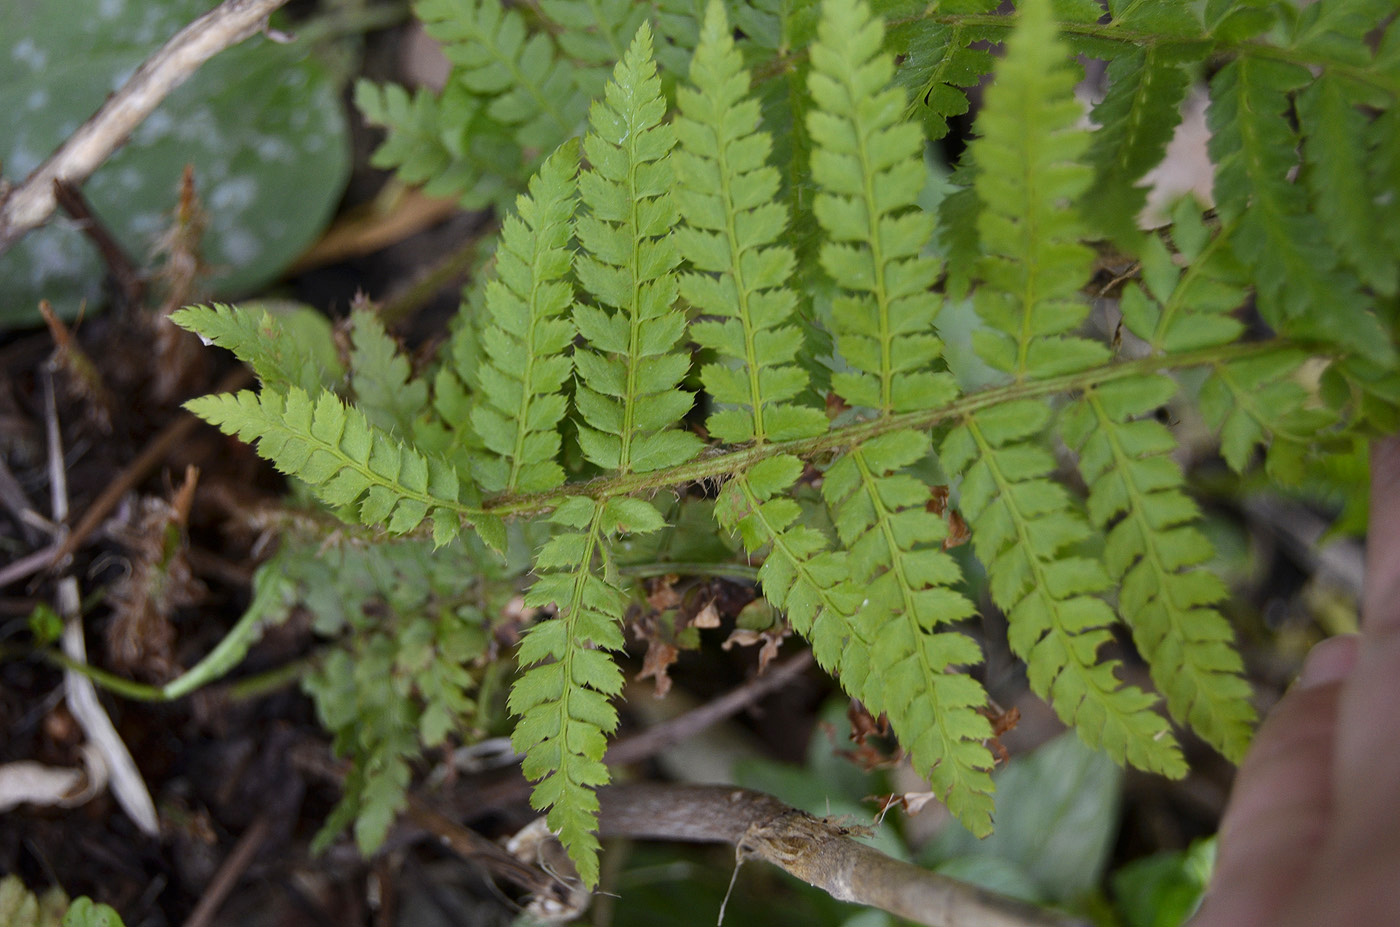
[629, 368]
[1179, 310]
[264, 343]
[1136, 495]
[868, 167]
[381, 378]
[1298, 278]
[1028, 177]
[729, 232]
[1336, 145]
[896, 660]
[530, 332]
[349, 463]
[940, 63]
[1136, 119]
[594, 33]
[1024, 529]
[520, 76]
[800, 572]
[562, 698]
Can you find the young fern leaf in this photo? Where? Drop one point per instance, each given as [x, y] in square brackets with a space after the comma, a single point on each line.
[382, 379]
[417, 148]
[562, 699]
[1024, 529]
[1028, 174]
[527, 343]
[1136, 495]
[263, 343]
[629, 368]
[1259, 400]
[869, 170]
[348, 462]
[730, 226]
[895, 661]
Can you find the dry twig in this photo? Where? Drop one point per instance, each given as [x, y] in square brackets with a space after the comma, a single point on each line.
[30, 203]
[818, 851]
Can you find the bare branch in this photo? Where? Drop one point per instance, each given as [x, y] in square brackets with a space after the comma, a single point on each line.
[818, 851]
[30, 203]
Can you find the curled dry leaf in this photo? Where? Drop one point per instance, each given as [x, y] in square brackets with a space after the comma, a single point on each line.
[27, 782]
[770, 638]
[911, 802]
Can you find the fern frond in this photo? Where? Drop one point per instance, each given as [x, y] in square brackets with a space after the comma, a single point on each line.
[1300, 284]
[1025, 530]
[729, 233]
[527, 342]
[381, 378]
[1335, 146]
[1136, 495]
[562, 699]
[1028, 178]
[1137, 117]
[869, 170]
[348, 462]
[526, 84]
[939, 64]
[278, 357]
[911, 672]
[629, 368]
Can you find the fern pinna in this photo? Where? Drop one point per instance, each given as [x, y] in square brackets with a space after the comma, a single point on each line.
[672, 297]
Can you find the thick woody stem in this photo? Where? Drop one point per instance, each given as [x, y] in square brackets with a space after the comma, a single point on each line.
[30, 203]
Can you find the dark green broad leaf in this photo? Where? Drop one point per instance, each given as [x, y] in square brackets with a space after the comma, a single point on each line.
[261, 123]
[1057, 815]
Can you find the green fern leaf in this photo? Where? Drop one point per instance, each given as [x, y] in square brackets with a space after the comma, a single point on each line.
[1025, 530]
[347, 461]
[595, 34]
[896, 662]
[381, 377]
[1181, 310]
[1335, 136]
[1259, 400]
[800, 573]
[525, 83]
[1136, 495]
[529, 335]
[1028, 175]
[1137, 116]
[939, 64]
[629, 369]
[1301, 288]
[562, 699]
[1167, 18]
[730, 226]
[869, 170]
[279, 357]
